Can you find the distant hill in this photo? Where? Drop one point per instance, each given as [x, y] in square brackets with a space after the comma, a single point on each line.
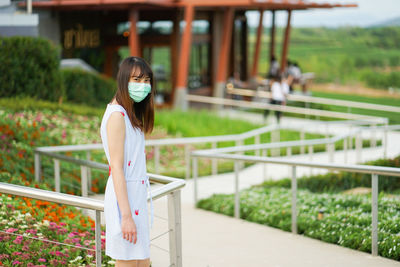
[389, 22]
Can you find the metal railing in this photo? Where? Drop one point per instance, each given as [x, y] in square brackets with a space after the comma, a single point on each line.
[239, 140]
[314, 100]
[171, 189]
[373, 170]
[86, 165]
[297, 110]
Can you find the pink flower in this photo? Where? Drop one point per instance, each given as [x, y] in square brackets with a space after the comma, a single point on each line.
[72, 234]
[16, 253]
[16, 262]
[18, 240]
[64, 134]
[11, 230]
[59, 253]
[41, 260]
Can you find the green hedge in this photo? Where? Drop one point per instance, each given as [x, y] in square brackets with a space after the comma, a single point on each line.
[30, 67]
[336, 182]
[87, 88]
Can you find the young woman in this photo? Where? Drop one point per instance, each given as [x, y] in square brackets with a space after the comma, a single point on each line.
[129, 115]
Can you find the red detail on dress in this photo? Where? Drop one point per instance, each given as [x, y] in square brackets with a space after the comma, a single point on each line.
[137, 212]
[123, 114]
[129, 163]
[142, 181]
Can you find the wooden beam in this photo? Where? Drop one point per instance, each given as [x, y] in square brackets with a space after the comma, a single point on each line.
[257, 49]
[225, 45]
[179, 99]
[272, 39]
[186, 43]
[134, 44]
[175, 38]
[285, 49]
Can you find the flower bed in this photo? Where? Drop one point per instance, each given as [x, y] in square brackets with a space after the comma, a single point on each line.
[33, 229]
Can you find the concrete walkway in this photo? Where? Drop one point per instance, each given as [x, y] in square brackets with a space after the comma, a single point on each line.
[211, 239]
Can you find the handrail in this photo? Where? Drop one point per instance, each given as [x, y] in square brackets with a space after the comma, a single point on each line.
[57, 197]
[373, 170]
[317, 100]
[298, 110]
[389, 171]
[171, 189]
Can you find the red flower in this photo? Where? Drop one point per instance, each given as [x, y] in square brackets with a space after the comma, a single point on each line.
[123, 114]
[137, 212]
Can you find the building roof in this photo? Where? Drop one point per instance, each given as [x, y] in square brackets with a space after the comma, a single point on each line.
[242, 4]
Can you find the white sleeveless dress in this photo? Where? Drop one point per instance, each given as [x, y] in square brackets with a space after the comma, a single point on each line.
[137, 184]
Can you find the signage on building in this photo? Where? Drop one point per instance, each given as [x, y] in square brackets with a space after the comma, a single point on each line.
[78, 37]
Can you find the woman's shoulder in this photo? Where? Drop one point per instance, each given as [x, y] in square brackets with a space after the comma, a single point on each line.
[115, 107]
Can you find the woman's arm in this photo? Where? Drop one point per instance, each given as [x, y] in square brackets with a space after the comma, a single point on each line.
[116, 139]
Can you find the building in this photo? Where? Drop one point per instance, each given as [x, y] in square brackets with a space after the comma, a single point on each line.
[197, 43]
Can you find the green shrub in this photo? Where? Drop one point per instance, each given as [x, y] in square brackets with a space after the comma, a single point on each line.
[86, 87]
[30, 67]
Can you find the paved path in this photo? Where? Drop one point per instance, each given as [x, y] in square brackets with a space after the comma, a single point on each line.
[211, 239]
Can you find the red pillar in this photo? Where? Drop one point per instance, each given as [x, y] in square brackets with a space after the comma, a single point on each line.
[226, 45]
[272, 43]
[254, 71]
[286, 42]
[183, 64]
[133, 33]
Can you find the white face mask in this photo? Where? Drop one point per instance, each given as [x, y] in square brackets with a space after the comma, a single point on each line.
[138, 91]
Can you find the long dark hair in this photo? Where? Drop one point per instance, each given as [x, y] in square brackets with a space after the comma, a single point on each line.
[141, 114]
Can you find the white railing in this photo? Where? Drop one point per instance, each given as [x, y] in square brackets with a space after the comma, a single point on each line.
[304, 111]
[373, 170]
[314, 100]
[171, 188]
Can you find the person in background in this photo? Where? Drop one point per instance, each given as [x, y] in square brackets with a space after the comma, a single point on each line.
[273, 67]
[277, 95]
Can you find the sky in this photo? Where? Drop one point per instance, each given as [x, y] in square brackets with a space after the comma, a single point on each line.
[367, 13]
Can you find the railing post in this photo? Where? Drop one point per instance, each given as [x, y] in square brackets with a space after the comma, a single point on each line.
[175, 228]
[214, 163]
[187, 161]
[385, 142]
[373, 136]
[195, 174]
[57, 174]
[374, 214]
[264, 154]
[302, 136]
[345, 149]
[331, 152]
[351, 142]
[84, 184]
[98, 238]
[311, 153]
[37, 167]
[89, 170]
[240, 143]
[358, 147]
[257, 142]
[157, 159]
[294, 200]
[275, 138]
[237, 196]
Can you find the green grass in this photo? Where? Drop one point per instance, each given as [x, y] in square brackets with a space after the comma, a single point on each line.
[393, 117]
